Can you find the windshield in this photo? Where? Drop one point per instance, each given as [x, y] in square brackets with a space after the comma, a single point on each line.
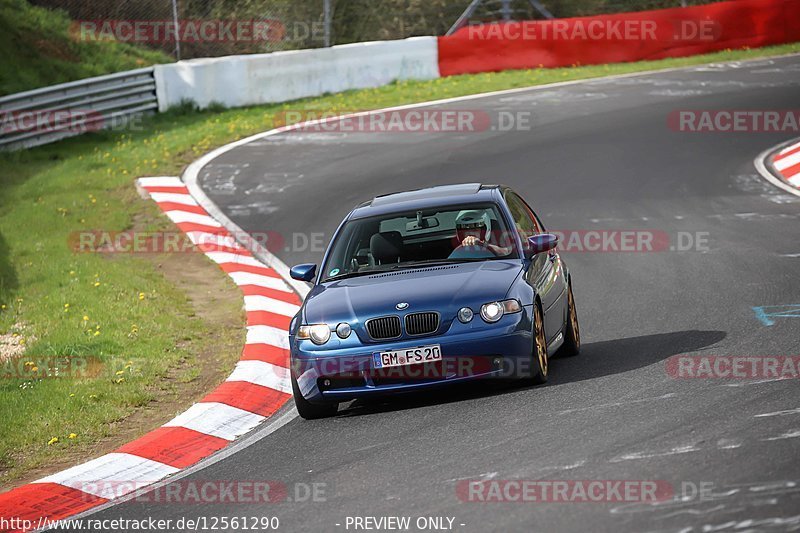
[419, 238]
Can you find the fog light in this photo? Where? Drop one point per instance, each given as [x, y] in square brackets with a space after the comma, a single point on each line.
[326, 383]
[465, 314]
[343, 330]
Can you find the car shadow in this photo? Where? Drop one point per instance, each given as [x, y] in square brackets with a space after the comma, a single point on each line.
[597, 359]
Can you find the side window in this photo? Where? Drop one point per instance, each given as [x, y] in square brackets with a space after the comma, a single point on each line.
[526, 225]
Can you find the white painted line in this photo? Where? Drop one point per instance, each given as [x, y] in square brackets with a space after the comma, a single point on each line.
[184, 216]
[649, 455]
[268, 335]
[239, 259]
[162, 181]
[112, 475]
[264, 374]
[248, 278]
[173, 197]
[780, 413]
[793, 434]
[216, 419]
[789, 148]
[786, 162]
[271, 305]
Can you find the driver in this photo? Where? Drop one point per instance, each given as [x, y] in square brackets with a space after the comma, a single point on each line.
[474, 231]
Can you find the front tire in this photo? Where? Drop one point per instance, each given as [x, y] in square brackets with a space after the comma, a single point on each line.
[308, 410]
[572, 335]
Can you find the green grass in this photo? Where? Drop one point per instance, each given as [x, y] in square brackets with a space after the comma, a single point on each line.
[86, 183]
[38, 48]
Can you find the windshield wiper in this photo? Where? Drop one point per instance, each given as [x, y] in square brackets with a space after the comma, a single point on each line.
[431, 262]
[357, 273]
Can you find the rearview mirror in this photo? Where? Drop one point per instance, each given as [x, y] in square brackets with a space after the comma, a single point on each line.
[543, 242]
[304, 272]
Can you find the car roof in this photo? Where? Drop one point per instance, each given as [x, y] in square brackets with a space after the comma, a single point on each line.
[439, 196]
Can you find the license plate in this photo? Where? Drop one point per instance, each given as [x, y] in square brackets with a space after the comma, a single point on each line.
[409, 356]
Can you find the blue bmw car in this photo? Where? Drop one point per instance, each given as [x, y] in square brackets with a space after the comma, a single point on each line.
[429, 287]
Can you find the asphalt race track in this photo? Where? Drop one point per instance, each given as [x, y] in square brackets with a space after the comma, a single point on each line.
[598, 155]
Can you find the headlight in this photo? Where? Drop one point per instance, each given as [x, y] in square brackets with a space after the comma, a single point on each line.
[494, 311]
[318, 333]
[465, 315]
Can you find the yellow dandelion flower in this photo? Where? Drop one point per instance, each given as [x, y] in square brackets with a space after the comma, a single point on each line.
[96, 283]
[141, 296]
[86, 318]
[71, 394]
[120, 372]
[96, 333]
[52, 441]
[93, 396]
[35, 369]
[72, 435]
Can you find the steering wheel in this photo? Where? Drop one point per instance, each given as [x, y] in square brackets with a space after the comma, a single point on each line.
[474, 251]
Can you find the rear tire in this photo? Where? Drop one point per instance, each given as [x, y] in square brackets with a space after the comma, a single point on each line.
[572, 334]
[308, 410]
[539, 353]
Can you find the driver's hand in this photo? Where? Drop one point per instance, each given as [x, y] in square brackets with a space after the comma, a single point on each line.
[471, 241]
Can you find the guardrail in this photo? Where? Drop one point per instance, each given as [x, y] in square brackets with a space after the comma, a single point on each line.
[46, 115]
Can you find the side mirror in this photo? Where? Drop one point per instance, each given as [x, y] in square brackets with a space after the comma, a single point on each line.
[543, 242]
[304, 272]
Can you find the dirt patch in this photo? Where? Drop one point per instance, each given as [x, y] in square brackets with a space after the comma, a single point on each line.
[14, 343]
[217, 302]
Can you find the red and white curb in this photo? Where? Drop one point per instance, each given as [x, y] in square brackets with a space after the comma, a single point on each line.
[255, 390]
[787, 163]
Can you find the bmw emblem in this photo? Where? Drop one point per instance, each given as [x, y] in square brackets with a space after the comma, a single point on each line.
[401, 306]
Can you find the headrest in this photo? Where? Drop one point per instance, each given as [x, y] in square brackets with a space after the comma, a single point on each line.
[386, 246]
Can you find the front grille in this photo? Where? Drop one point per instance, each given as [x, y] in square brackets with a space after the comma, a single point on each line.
[387, 327]
[422, 323]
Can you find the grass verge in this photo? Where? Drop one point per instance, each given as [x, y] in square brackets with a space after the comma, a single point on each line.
[136, 315]
[39, 47]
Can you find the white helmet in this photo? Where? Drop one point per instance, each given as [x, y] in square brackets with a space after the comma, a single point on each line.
[470, 220]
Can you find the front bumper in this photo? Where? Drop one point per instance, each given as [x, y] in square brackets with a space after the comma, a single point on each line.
[502, 350]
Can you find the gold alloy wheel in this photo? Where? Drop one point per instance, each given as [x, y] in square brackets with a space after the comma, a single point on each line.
[573, 319]
[541, 343]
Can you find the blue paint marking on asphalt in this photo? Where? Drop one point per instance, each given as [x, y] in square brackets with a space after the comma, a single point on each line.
[766, 313]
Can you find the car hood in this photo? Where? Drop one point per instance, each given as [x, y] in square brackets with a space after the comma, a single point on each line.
[443, 288]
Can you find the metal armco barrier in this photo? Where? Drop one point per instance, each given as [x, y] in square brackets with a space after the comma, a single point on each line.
[51, 113]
